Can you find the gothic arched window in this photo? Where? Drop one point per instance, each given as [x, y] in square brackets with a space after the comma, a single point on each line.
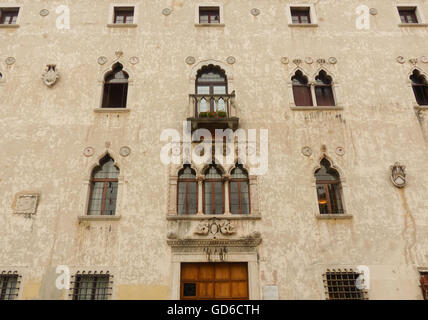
[329, 189]
[115, 88]
[213, 191]
[301, 90]
[187, 200]
[420, 88]
[103, 188]
[211, 82]
[239, 191]
[324, 89]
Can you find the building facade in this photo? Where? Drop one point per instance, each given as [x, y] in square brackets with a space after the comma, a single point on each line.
[91, 93]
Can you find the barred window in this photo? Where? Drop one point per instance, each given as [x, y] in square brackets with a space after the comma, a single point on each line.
[300, 15]
[209, 15]
[8, 15]
[187, 200]
[343, 285]
[424, 284]
[9, 285]
[103, 188]
[91, 286]
[124, 15]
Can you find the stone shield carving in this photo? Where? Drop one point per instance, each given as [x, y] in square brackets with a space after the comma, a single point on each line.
[50, 75]
[398, 175]
[215, 226]
[26, 203]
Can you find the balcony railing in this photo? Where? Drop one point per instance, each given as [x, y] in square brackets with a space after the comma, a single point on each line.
[213, 111]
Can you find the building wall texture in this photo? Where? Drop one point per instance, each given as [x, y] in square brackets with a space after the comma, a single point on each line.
[44, 131]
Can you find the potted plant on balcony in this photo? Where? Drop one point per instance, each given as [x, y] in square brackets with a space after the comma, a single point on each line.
[222, 114]
[203, 114]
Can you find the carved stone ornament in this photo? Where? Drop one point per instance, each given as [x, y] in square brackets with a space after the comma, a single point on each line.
[88, 152]
[309, 60]
[255, 12]
[50, 75]
[10, 60]
[44, 12]
[231, 60]
[424, 59]
[166, 11]
[398, 175]
[119, 53]
[373, 11]
[413, 61]
[332, 60]
[190, 60]
[215, 226]
[321, 61]
[26, 203]
[297, 61]
[134, 60]
[285, 60]
[125, 151]
[340, 151]
[401, 59]
[102, 60]
[307, 151]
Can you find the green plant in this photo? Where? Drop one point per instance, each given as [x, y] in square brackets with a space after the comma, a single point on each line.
[203, 114]
[221, 114]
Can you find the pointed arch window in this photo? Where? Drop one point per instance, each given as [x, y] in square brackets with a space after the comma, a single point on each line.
[103, 188]
[301, 90]
[329, 189]
[211, 82]
[213, 191]
[187, 200]
[239, 191]
[115, 91]
[324, 89]
[420, 88]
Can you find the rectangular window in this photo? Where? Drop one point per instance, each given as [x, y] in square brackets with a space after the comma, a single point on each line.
[408, 15]
[343, 285]
[8, 15]
[123, 15]
[300, 15]
[424, 284]
[9, 286]
[209, 14]
[91, 287]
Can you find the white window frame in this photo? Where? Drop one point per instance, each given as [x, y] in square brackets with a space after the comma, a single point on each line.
[18, 19]
[113, 6]
[312, 14]
[209, 4]
[419, 15]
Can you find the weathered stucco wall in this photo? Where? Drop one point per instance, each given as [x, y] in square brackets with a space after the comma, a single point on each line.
[45, 130]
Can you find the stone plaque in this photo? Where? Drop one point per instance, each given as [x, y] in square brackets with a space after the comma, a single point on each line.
[26, 203]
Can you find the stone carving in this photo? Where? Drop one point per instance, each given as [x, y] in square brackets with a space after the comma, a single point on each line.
[190, 60]
[297, 61]
[119, 53]
[88, 152]
[102, 60]
[215, 226]
[134, 60]
[166, 11]
[307, 151]
[255, 12]
[285, 60]
[221, 252]
[401, 59]
[373, 11]
[309, 60]
[44, 12]
[398, 175]
[171, 235]
[321, 61]
[424, 59]
[125, 151]
[10, 60]
[340, 151]
[231, 60]
[50, 75]
[413, 61]
[332, 60]
[26, 203]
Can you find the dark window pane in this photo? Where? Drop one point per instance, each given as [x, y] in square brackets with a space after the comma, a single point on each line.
[324, 96]
[189, 289]
[9, 15]
[322, 199]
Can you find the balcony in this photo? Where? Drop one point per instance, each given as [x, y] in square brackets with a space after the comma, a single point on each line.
[214, 111]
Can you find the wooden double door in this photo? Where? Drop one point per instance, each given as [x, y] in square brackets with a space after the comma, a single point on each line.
[214, 281]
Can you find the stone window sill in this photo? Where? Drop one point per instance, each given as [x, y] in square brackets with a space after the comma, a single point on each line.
[209, 24]
[99, 218]
[413, 24]
[122, 25]
[316, 108]
[112, 110]
[11, 26]
[303, 25]
[217, 216]
[334, 216]
[418, 107]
